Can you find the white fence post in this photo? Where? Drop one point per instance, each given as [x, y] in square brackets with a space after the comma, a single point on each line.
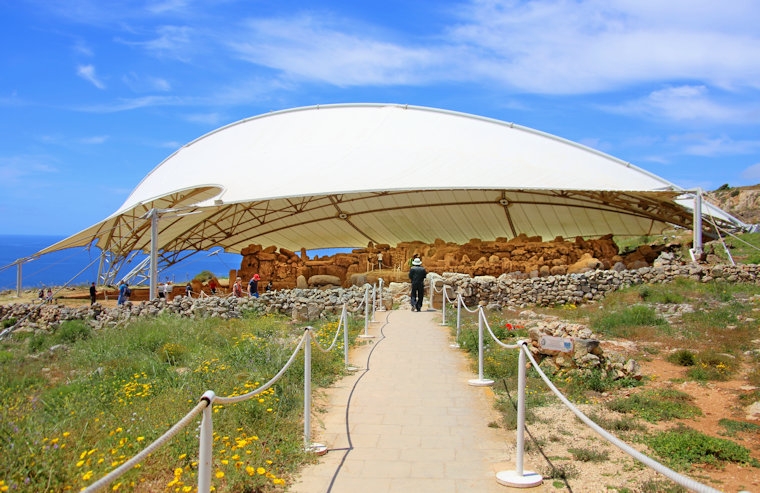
[316, 448]
[480, 381]
[374, 298]
[520, 478]
[207, 445]
[444, 300]
[380, 305]
[455, 345]
[366, 313]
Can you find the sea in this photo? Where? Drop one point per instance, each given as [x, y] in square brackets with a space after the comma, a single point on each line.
[70, 267]
[79, 266]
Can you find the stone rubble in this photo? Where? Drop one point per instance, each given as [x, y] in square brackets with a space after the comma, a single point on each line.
[507, 291]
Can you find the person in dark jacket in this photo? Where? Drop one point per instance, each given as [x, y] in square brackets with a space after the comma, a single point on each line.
[93, 293]
[417, 275]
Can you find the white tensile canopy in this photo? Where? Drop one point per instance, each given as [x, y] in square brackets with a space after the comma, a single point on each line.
[347, 175]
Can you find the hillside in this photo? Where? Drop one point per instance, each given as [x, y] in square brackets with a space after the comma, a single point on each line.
[742, 202]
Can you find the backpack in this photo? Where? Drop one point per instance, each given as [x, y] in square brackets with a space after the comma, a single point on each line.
[127, 292]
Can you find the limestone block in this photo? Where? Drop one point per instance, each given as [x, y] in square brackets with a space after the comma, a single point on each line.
[324, 280]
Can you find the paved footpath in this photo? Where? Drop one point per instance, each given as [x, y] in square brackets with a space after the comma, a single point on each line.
[408, 421]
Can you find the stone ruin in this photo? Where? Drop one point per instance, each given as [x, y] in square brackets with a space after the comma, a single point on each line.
[522, 255]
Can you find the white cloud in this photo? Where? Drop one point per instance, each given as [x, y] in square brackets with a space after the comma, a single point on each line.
[134, 103]
[721, 146]
[96, 139]
[752, 173]
[15, 169]
[170, 42]
[598, 45]
[138, 83]
[212, 118]
[87, 72]
[312, 49]
[688, 103]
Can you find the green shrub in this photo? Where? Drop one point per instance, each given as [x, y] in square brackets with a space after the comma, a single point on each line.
[657, 405]
[563, 471]
[9, 322]
[713, 366]
[682, 447]
[580, 381]
[618, 323]
[589, 455]
[733, 427]
[659, 293]
[683, 357]
[40, 342]
[624, 423]
[662, 486]
[71, 331]
[204, 276]
[172, 353]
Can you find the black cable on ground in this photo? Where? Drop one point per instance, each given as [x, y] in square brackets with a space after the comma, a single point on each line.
[348, 407]
[533, 439]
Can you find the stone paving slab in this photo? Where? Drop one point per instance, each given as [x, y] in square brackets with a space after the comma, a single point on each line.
[414, 423]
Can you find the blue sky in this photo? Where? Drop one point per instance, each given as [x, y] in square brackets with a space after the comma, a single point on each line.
[94, 94]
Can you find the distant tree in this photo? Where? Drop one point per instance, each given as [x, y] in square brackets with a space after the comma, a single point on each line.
[204, 276]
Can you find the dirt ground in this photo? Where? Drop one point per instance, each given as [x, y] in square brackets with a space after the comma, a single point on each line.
[558, 430]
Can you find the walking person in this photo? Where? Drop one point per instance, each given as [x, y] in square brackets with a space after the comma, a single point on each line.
[380, 260]
[253, 286]
[122, 293]
[417, 275]
[237, 288]
[93, 293]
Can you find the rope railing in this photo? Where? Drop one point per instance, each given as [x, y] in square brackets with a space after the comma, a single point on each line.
[674, 476]
[209, 398]
[519, 477]
[365, 302]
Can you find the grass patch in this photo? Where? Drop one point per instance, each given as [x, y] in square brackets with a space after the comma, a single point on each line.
[579, 382]
[562, 471]
[622, 424]
[683, 447]
[585, 454]
[710, 365]
[623, 322]
[660, 293]
[732, 427]
[683, 357]
[662, 486]
[70, 417]
[656, 405]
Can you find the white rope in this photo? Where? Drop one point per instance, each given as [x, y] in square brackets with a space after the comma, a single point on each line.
[678, 478]
[474, 310]
[335, 338]
[432, 285]
[122, 469]
[253, 393]
[493, 336]
[364, 300]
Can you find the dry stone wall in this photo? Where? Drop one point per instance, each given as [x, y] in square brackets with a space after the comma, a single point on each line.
[514, 291]
[494, 293]
[528, 256]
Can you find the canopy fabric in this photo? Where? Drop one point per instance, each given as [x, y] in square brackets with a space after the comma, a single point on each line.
[347, 175]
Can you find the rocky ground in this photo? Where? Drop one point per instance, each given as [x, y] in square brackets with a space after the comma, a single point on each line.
[557, 430]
